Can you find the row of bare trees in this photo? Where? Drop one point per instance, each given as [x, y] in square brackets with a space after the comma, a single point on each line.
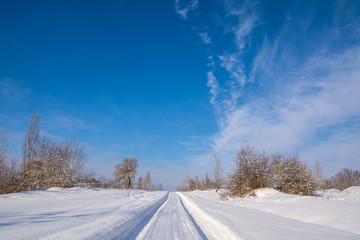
[344, 179]
[216, 181]
[45, 163]
[191, 184]
[146, 184]
[125, 173]
[254, 169]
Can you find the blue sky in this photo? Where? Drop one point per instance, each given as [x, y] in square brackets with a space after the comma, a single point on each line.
[172, 82]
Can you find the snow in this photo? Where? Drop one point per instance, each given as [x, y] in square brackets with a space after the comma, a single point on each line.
[172, 221]
[244, 219]
[76, 213]
[127, 214]
[350, 194]
[332, 208]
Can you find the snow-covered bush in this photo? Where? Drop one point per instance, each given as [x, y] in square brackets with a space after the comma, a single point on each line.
[224, 194]
[253, 170]
[54, 165]
[8, 177]
[290, 175]
[45, 163]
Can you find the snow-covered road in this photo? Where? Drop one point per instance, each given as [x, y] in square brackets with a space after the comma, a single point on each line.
[172, 221]
[123, 214]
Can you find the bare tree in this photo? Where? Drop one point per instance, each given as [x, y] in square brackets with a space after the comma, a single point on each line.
[190, 183]
[218, 172]
[197, 182]
[125, 172]
[208, 182]
[318, 170]
[3, 145]
[319, 177]
[160, 187]
[30, 177]
[31, 139]
[147, 181]
[74, 160]
[8, 172]
[202, 182]
[140, 184]
[345, 178]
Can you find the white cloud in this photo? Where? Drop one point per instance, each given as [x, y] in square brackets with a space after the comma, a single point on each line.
[247, 20]
[205, 37]
[287, 93]
[243, 19]
[183, 11]
[322, 95]
[214, 88]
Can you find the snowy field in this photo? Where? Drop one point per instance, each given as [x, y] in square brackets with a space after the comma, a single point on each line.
[121, 214]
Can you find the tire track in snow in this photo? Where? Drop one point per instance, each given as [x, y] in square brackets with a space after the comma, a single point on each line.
[172, 221]
[132, 228]
[212, 228]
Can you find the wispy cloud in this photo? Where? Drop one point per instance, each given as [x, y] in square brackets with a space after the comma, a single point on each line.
[246, 20]
[294, 91]
[309, 103]
[183, 9]
[63, 120]
[205, 37]
[12, 91]
[238, 22]
[311, 117]
[61, 125]
[214, 89]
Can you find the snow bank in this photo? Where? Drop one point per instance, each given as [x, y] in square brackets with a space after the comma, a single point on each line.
[243, 218]
[352, 193]
[331, 208]
[265, 192]
[349, 194]
[76, 213]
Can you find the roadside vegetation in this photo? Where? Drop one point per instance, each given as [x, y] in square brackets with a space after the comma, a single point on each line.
[46, 163]
[253, 169]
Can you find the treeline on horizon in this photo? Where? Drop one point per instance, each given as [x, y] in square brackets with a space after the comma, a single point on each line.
[254, 169]
[46, 163]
